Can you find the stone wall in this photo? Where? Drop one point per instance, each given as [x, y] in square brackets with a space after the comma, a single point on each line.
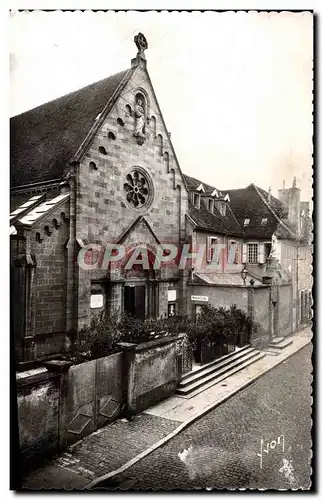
[153, 373]
[260, 308]
[285, 310]
[218, 296]
[49, 288]
[61, 404]
[38, 398]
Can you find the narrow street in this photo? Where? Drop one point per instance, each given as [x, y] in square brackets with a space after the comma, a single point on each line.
[223, 448]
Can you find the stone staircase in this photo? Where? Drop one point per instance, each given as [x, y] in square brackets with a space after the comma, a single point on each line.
[276, 345]
[207, 375]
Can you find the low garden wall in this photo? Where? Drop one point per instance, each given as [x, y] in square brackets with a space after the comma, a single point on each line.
[153, 372]
[61, 403]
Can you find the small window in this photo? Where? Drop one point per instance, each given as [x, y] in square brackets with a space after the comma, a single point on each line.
[212, 254]
[93, 165]
[246, 222]
[196, 200]
[233, 252]
[253, 253]
[102, 150]
[222, 208]
[211, 205]
[47, 230]
[128, 110]
[267, 250]
[111, 136]
[263, 222]
[38, 238]
[120, 122]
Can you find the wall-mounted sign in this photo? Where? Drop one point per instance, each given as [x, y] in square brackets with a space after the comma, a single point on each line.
[96, 300]
[201, 298]
[171, 295]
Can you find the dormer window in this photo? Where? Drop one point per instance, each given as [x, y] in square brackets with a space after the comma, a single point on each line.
[263, 222]
[211, 205]
[246, 222]
[196, 200]
[201, 188]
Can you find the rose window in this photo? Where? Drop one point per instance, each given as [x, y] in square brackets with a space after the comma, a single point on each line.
[137, 189]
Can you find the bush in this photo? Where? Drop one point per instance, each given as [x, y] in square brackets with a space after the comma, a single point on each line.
[226, 325]
[98, 340]
[214, 325]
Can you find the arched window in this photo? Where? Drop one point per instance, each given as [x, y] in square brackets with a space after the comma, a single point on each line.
[166, 159]
[38, 238]
[153, 126]
[160, 144]
[111, 136]
[93, 165]
[55, 223]
[120, 122]
[102, 150]
[47, 230]
[128, 110]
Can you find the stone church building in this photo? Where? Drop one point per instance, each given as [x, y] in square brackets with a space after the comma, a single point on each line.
[97, 166]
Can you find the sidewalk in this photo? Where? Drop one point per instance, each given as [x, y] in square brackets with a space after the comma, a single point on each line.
[114, 448]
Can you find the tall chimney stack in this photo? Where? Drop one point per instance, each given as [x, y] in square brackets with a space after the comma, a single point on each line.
[269, 194]
[283, 184]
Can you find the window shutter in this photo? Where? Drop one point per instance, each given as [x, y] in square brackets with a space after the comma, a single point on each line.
[261, 253]
[244, 253]
[208, 249]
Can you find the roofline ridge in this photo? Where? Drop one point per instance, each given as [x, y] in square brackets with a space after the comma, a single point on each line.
[66, 95]
[102, 116]
[273, 212]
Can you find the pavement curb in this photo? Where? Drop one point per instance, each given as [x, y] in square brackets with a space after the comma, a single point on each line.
[188, 422]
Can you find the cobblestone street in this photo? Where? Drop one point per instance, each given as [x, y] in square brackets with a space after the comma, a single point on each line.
[223, 448]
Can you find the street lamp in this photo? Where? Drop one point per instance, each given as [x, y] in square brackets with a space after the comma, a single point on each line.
[244, 274]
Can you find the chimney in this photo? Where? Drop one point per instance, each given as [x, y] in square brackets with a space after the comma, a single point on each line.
[269, 194]
[291, 197]
[283, 184]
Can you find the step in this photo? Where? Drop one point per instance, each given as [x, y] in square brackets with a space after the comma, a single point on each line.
[280, 345]
[212, 367]
[217, 380]
[277, 340]
[215, 362]
[272, 351]
[202, 381]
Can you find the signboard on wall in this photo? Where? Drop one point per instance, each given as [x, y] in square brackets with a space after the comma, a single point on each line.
[201, 298]
[171, 295]
[96, 300]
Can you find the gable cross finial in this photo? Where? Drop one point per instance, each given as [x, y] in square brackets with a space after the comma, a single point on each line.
[141, 43]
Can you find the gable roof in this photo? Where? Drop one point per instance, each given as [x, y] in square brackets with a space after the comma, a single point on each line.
[193, 185]
[206, 220]
[45, 138]
[252, 203]
[215, 222]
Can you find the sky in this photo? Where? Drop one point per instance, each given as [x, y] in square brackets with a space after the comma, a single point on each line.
[235, 89]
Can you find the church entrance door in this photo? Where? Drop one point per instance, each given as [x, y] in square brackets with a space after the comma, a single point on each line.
[135, 300]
